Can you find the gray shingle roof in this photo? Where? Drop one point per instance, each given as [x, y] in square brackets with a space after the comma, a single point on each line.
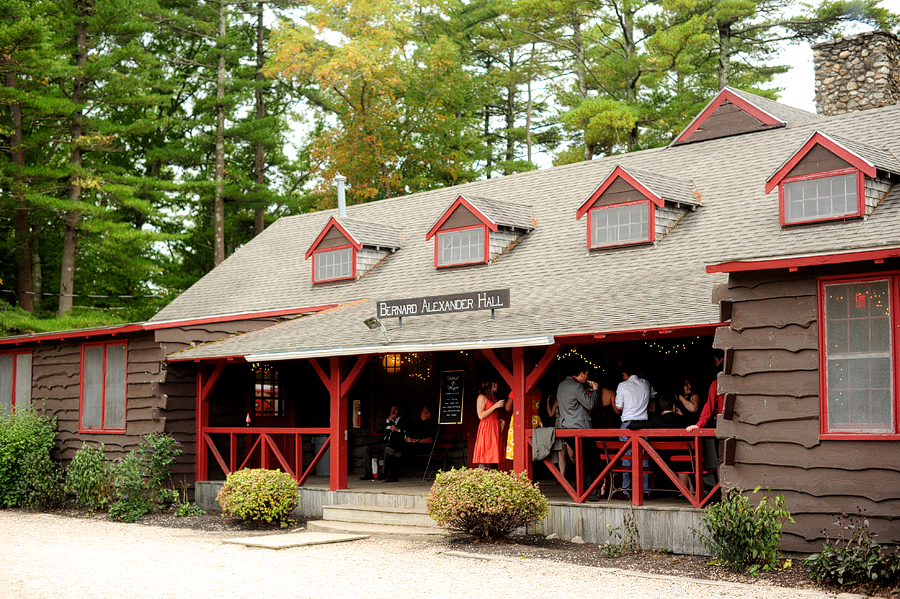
[505, 214]
[880, 157]
[557, 285]
[372, 234]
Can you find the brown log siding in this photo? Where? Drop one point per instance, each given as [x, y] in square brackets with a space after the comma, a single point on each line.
[773, 371]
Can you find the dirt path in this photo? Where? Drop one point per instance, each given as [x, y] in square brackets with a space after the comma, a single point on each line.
[59, 557]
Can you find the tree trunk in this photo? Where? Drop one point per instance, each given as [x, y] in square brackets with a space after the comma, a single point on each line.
[724, 66]
[37, 278]
[259, 163]
[219, 177]
[581, 72]
[634, 75]
[24, 284]
[70, 231]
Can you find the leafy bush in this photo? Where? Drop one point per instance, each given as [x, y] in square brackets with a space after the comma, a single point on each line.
[258, 495]
[742, 536]
[88, 477]
[129, 501]
[187, 508]
[137, 479]
[42, 486]
[488, 504]
[159, 452]
[26, 439]
[855, 557]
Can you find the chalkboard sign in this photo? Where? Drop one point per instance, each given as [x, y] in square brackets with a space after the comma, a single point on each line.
[452, 385]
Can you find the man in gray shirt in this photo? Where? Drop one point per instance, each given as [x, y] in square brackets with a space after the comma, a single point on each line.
[575, 404]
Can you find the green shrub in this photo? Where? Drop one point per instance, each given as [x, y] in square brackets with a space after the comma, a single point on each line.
[129, 500]
[488, 504]
[258, 495]
[88, 477]
[742, 536]
[42, 486]
[26, 439]
[855, 557]
[159, 452]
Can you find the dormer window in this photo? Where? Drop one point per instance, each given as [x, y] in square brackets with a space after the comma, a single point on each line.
[822, 197]
[347, 249]
[632, 207]
[333, 265]
[463, 246]
[477, 230]
[620, 224]
[831, 179]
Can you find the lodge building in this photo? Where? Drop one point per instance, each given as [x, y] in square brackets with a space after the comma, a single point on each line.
[763, 230]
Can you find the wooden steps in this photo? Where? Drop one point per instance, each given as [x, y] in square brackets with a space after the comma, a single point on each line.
[372, 520]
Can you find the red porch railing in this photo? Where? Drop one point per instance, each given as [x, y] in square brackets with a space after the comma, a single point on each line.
[262, 448]
[612, 452]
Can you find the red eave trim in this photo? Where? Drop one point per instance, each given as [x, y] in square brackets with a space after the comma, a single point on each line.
[56, 335]
[670, 331]
[333, 222]
[617, 173]
[819, 138]
[225, 359]
[461, 200]
[801, 261]
[727, 95]
[152, 326]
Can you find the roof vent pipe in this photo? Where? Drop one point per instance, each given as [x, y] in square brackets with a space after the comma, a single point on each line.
[339, 180]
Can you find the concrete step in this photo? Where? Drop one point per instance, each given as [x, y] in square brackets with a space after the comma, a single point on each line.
[370, 514]
[412, 533]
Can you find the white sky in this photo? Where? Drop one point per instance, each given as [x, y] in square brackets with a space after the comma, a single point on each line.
[799, 83]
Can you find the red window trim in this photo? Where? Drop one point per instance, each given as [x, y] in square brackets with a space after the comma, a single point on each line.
[651, 232]
[102, 430]
[15, 371]
[487, 247]
[334, 249]
[860, 197]
[893, 278]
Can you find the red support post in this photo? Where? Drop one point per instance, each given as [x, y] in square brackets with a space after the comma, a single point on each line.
[204, 388]
[522, 412]
[339, 422]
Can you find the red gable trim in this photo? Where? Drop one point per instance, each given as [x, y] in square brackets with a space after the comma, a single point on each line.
[727, 95]
[819, 138]
[217, 359]
[801, 261]
[619, 172]
[332, 223]
[461, 201]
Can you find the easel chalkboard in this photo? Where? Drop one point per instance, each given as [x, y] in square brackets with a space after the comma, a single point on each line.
[452, 385]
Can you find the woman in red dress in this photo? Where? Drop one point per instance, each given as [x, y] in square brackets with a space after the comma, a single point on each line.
[487, 443]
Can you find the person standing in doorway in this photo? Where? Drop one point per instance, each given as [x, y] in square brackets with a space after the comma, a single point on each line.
[487, 443]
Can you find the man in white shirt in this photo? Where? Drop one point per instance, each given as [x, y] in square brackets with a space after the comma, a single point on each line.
[632, 397]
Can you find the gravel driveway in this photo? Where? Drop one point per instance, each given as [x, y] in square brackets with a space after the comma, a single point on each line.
[54, 556]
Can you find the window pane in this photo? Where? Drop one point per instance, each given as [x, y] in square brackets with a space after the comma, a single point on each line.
[826, 197]
[334, 264]
[114, 412]
[92, 393]
[23, 382]
[461, 247]
[6, 384]
[858, 352]
[620, 224]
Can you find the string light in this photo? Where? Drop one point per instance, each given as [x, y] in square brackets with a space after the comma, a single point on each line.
[577, 354]
[672, 348]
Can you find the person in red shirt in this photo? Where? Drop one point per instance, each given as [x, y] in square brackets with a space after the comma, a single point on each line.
[714, 401]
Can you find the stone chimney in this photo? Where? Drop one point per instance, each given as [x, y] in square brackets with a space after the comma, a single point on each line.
[857, 73]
